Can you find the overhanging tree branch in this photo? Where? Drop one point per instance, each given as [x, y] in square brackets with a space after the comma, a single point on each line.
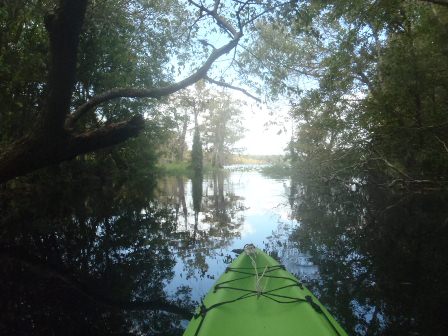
[154, 92]
[32, 153]
[54, 139]
[199, 74]
[102, 137]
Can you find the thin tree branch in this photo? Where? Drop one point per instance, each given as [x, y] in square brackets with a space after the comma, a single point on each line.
[221, 21]
[269, 64]
[390, 165]
[422, 128]
[223, 84]
[442, 142]
[161, 91]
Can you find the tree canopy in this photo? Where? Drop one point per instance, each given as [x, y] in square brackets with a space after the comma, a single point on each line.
[76, 71]
[367, 82]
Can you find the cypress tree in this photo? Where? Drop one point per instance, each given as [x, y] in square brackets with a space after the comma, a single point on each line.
[196, 153]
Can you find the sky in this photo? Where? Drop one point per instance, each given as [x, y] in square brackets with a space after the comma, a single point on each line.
[266, 133]
[268, 130]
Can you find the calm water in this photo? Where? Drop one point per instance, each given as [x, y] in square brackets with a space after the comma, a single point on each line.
[376, 259]
[237, 208]
[97, 255]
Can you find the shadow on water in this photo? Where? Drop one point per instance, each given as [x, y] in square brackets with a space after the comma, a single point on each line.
[381, 256]
[86, 254]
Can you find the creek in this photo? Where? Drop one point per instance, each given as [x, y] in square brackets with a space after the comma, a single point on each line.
[85, 254]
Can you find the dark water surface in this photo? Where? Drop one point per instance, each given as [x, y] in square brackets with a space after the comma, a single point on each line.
[97, 257]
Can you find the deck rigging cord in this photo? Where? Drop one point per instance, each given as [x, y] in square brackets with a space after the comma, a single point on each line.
[251, 252]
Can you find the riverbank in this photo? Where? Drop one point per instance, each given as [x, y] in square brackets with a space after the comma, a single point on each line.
[270, 165]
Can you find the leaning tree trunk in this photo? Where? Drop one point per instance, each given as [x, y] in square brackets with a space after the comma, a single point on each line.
[54, 139]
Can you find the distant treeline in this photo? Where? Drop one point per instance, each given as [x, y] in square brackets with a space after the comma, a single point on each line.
[254, 159]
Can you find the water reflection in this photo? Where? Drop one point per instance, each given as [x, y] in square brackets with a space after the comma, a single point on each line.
[296, 261]
[381, 256]
[236, 208]
[88, 256]
[97, 254]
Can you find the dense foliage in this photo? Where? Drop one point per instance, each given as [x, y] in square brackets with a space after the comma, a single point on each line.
[368, 86]
[97, 64]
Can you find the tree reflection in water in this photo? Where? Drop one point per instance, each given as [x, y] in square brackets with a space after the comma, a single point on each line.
[217, 214]
[381, 256]
[88, 256]
[85, 252]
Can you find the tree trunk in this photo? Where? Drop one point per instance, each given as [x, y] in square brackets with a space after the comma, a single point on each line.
[181, 149]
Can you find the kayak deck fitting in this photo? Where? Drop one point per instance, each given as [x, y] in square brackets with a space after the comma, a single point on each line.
[257, 296]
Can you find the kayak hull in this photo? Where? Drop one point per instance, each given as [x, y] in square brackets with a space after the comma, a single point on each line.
[257, 296]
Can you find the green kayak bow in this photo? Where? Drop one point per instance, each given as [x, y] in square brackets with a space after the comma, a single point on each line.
[257, 296]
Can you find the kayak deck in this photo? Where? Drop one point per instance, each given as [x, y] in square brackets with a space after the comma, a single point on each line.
[257, 296]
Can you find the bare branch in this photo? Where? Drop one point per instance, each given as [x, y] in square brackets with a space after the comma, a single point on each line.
[390, 165]
[205, 43]
[442, 142]
[365, 80]
[238, 16]
[221, 21]
[195, 22]
[435, 127]
[269, 64]
[418, 186]
[223, 84]
[255, 17]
